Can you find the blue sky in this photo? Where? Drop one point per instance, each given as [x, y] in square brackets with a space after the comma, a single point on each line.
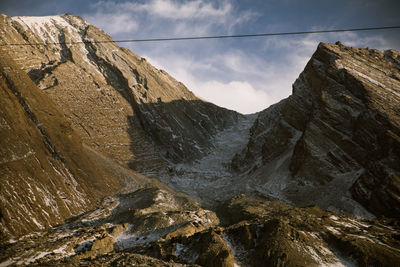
[246, 75]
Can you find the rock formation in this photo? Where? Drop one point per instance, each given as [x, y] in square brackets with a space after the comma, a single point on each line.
[46, 174]
[153, 226]
[335, 140]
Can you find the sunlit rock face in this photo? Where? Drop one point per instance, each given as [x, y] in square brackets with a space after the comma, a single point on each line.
[335, 141]
[46, 173]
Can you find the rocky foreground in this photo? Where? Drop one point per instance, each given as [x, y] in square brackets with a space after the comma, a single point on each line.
[158, 227]
[313, 180]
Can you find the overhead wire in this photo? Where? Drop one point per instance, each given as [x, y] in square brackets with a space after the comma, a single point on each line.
[213, 37]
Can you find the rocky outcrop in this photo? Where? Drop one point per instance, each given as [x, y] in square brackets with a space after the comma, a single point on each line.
[338, 134]
[125, 222]
[121, 105]
[271, 233]
[270, 137]
[253, 232]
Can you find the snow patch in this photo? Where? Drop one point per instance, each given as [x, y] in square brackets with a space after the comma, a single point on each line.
[237, 250]
[185, 254]
[47, 27]
[85, 245]
[333, 230]
[126, 240]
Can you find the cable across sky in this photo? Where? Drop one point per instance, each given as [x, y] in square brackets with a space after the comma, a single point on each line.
[216, 36]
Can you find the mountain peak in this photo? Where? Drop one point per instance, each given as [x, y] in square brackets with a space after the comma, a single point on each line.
[331, 135]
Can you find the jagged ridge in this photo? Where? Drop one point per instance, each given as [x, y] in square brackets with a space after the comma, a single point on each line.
[344, 117]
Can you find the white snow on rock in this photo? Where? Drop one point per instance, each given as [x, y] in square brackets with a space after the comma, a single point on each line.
[237, 250]
[127, 239]
[46, 28]
[185, 254]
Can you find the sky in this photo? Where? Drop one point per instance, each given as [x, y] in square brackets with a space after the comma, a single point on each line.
[246, 75]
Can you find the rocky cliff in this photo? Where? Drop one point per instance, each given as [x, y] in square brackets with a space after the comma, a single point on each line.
[46, 174]
[335, 140]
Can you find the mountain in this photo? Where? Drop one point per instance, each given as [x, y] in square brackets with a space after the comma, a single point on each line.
[120, 104]
[110, 161]
[46, 174]
[117, 103]
[335, 141]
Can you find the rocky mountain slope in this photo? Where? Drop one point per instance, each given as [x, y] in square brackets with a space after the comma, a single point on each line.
[335, 140]
[120, 104]
[46, 174]
[94, 119]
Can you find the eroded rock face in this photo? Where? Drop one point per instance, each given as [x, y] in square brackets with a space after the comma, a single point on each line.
[46, 173]
[338, 134]
[121, 105]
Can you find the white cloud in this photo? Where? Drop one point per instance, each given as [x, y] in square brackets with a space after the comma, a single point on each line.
[168, 9]
[237, 95]
[166, 16]
[187, 10]
[357, 40]
[230, 93]
[113, 24]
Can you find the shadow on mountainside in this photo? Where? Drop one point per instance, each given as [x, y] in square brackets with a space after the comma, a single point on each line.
[179, 131]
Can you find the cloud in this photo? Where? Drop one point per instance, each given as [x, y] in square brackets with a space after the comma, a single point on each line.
[168, 9]
[174, 10]
[236, 95]
[113, 24]
[165, 16]
[223, 89]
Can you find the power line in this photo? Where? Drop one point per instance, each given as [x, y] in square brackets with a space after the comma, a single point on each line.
[216, 36]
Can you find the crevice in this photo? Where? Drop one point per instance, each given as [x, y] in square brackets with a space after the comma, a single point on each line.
[39, 74]
[66, 54]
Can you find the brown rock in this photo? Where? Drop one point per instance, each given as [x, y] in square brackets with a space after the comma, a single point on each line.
[44, 167]
[337, 134]
[103, 245]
